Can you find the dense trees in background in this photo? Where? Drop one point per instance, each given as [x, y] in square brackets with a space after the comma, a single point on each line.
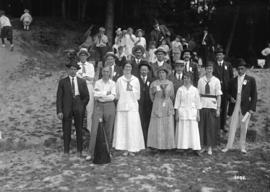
[242, 25]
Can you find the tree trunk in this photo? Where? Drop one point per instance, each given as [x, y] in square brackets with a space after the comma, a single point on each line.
[109, 24]
[84, 7]
[63, 7]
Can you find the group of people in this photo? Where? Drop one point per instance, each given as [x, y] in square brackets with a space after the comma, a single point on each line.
[6, 27]
[158, 105]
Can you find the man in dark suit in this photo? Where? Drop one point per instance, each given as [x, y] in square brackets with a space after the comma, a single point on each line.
[177, 76]
[243, 98]
[72, 98]
[207, 45]
[116, 70]
[190, 66]
[159, 33]
[145, 103]
[224, 72]
[138, 52]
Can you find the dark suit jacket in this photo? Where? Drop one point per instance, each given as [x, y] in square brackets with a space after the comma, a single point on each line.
[195, 73]
[64, 95]
[248, 95]
[209, 39]
[176, 83]
[224, 74]
[135, 67]
[157, 36]
[145, 102]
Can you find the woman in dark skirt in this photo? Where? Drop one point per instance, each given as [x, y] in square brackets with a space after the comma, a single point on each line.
[210, 92]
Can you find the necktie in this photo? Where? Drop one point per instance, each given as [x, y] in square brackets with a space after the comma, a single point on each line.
[144, 80]
[83, 68]
[207, 88]
[73, 87]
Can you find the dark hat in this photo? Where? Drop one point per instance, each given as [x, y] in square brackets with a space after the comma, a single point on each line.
[209, 64]
[186, 50]
[110, 54]
[160, 49]
[144, 63]
[219, 50]
[163, 68]
[241, 62]
[83, 51]
[73, 64]
[138, 47]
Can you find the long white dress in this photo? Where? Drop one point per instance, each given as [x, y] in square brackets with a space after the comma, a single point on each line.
[187, 102]
[128, 133]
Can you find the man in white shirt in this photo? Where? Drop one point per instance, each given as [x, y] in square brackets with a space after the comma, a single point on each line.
[6, 30]
[190, 66]
[101, 43]
[104, 94]
[87, 72]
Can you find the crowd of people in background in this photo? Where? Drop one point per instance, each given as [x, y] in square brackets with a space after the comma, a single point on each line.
[152, 93]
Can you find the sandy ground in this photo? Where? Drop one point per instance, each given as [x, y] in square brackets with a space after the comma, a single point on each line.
[31, 147]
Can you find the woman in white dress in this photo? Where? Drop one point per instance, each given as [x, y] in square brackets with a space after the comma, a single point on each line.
[187, 106]
[128, 133]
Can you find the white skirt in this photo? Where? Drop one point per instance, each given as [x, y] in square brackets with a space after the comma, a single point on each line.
[187, 135]
[128, 133]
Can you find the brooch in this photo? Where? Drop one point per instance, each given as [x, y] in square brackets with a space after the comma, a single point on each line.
[244, 82]
[147, 83]
[225, 67]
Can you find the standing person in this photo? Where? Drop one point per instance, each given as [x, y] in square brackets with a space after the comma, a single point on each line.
[159, 33]
[210, 92]
[138, 52]
[128, 135]
[224, 72]
[6, 30]
[266, 52]
[140, 40]
[187, 114]
[26, 18]
[129, 41]
[177, 48]
[104, 94]
[145, 103]
[72, 98]
[121, 57]
[116, 70]
[151, 56]
[177, 76]
[243, 99]
[101, 42]
[207, 45]
[87, 72]
[160, 53]
[190, 66]
[161, 127]
[118, 41]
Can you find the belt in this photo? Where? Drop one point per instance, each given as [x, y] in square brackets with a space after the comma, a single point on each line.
[104, 102]
[209, 96]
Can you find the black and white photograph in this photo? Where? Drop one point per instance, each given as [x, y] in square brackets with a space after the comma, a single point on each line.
[134, 95]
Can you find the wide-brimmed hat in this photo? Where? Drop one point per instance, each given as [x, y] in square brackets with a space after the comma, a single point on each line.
[163, 68]
[136, 48]
[219, 50]
[83, 51]
[179, 62]
[144, 63]
[73, 64]
[160, 49]
[241, 62]
[110, 54]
